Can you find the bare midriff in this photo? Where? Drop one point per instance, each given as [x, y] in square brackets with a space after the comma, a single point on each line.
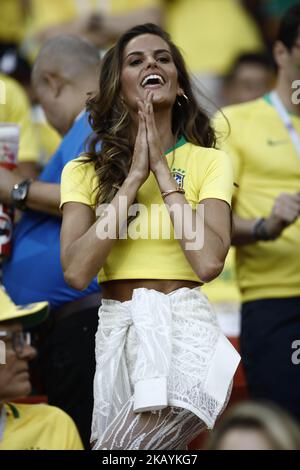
[122, 289]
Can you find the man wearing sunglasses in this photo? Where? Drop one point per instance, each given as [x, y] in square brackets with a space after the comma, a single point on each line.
[24, 426]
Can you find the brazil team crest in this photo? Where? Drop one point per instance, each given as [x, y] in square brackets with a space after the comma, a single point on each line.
[178, 176]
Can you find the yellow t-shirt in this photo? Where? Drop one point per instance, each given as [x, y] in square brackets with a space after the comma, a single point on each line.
[15, 108]
[38, 427]
[155, 253]
[265, 165]
[211, 33]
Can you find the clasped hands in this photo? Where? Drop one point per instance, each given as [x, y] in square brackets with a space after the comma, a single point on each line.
[148, 154]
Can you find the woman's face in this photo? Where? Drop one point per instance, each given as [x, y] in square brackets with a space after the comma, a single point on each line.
[148, 65]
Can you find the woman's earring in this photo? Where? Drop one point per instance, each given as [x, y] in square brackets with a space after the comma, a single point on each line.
[182, 96]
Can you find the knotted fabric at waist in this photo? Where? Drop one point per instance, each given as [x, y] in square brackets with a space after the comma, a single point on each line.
[150, 313]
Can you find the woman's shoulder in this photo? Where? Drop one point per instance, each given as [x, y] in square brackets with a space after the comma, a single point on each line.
[80, 166]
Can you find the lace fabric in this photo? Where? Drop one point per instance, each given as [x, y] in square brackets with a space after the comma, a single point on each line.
[160, 352]
[168, 429]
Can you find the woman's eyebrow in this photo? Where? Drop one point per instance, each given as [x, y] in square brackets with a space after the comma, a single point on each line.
[157, 51]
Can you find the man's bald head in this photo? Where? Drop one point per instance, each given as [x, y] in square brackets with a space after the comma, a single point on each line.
[65, 71]
[66, 56]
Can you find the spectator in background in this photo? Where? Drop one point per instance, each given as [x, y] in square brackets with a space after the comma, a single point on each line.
[14, 65]
[23, 426]
[66, 70]
[251, 76]
[101, 22]
[264, 145]
[268, 14]
[255, 426]
[15, 108]
[211, 34]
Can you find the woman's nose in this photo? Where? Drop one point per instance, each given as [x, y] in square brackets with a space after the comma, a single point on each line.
[151, 61]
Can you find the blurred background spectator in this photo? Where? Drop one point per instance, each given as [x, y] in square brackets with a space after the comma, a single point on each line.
[99, 21]
[16, 109]
[41, 136]
[211, 34]
[26, 426]
[266, 229]
[250, 77]
[255, 426]
[268, 14]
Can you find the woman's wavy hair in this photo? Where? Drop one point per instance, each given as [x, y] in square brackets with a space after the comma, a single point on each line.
[110, 147]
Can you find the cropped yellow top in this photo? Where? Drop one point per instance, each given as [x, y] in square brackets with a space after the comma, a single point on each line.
[150, 250]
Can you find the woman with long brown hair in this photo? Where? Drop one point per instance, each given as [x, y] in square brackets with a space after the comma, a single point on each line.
[164, 368]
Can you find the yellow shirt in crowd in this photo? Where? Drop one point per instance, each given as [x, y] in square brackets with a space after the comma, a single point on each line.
[46, 14]
[15, 108]
[38, 427]
[265, 164]
[202, 172]
[211, 33]
[224, 288]
[12, 21]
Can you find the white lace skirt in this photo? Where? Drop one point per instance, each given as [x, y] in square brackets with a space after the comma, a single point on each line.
[165, 350]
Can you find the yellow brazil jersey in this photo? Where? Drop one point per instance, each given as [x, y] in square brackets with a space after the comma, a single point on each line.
[150, 250]
[15, 108]
[211, 33]
[38, 427]
[265, 165]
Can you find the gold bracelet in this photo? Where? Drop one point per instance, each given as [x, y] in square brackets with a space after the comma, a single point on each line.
[171, 191]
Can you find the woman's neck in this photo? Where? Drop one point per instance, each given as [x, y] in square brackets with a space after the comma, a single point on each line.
[163, 121]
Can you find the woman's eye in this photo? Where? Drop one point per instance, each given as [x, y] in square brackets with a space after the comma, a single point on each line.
[164, 59]
[135, 62]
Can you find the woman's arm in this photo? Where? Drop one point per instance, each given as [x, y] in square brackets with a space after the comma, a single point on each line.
[204, 237]
[42, 196]
[86, 243]
[285, 211]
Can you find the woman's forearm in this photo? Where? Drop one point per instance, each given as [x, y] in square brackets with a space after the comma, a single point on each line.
[203, 247]
[84, 257]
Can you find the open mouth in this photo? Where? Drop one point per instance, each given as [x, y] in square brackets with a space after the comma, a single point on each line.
[153, 81]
